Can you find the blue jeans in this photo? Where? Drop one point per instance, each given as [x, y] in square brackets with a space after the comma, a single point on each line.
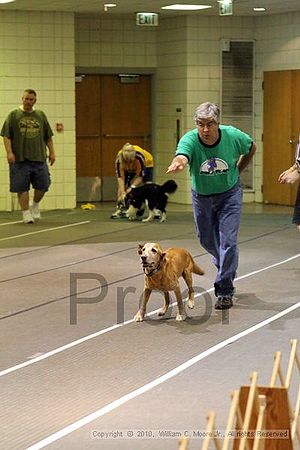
[217, 220]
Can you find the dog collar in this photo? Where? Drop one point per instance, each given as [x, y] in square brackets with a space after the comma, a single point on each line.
[153, 272]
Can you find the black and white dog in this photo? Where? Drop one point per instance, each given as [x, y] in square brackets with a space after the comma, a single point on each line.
[154, 195]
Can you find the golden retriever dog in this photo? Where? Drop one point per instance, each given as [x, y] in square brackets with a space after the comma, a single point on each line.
[162, 269]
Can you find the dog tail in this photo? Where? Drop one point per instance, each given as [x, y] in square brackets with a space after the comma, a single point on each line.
[169, 186]
[197, 269]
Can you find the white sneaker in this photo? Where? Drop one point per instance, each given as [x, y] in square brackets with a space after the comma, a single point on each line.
[27, 217]
[35, 210]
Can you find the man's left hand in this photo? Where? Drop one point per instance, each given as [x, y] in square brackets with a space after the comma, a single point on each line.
[51, 158]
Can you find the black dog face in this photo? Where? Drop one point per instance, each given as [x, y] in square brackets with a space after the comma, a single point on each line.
[133, 198]
[152, 194]
[155, 194]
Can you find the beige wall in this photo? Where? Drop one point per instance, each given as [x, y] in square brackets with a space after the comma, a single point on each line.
[106, 42]
[172, 86]
[37, 51]
[43, 50]
[188, 74]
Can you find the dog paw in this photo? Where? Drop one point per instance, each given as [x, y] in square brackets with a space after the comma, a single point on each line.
[163, 217]
[131, 218]
[180, 317]
[162, 312]
[191, 304]
[138, 317]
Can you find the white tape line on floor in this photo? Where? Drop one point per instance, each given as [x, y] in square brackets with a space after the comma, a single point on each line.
[44, 231]
[147, 387]
[118, 325]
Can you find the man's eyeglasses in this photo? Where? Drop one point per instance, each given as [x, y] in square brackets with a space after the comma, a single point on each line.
[209, 124]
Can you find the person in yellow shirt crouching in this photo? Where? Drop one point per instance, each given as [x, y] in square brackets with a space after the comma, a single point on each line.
[134, 167]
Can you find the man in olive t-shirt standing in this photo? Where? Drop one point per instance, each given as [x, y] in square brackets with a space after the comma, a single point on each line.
[216, 154]
[27, 134]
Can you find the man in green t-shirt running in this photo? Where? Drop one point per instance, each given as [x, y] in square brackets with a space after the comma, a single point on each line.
[27, 134]
[216, 154]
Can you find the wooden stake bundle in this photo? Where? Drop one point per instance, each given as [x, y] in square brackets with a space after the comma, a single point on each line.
[260, 417]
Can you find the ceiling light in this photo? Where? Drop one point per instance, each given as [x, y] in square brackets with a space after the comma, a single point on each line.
[259, 9]
[107, 5]
[180, 7]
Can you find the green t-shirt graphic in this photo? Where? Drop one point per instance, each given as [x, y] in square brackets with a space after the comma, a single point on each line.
[213, 168]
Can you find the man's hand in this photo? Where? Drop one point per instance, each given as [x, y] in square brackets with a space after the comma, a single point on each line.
[10, 156]
[51, 158]
[289, 176]
[11, 159]
[178, 164]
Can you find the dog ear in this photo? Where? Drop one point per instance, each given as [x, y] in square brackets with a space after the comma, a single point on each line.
[140, 248]
[163, 258]
[159, 249]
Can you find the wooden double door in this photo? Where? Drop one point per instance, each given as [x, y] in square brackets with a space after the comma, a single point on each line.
[110, 111]
[281, 132]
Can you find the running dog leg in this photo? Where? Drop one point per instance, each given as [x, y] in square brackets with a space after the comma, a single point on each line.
[181, 311]
[139, 317]
[187, 276]
[164, 309]
[150, 218]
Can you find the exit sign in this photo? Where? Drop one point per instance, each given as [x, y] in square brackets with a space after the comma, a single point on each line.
[147, 19]
[225, 7]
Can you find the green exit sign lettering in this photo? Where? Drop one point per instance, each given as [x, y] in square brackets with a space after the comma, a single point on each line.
[147, 19]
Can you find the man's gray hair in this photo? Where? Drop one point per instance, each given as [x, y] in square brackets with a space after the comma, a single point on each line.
[207, 110]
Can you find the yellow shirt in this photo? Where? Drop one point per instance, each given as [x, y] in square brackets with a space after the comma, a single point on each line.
[143, 159]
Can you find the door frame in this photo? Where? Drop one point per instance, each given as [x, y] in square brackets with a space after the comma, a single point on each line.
[81, 71]
[278, 99]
